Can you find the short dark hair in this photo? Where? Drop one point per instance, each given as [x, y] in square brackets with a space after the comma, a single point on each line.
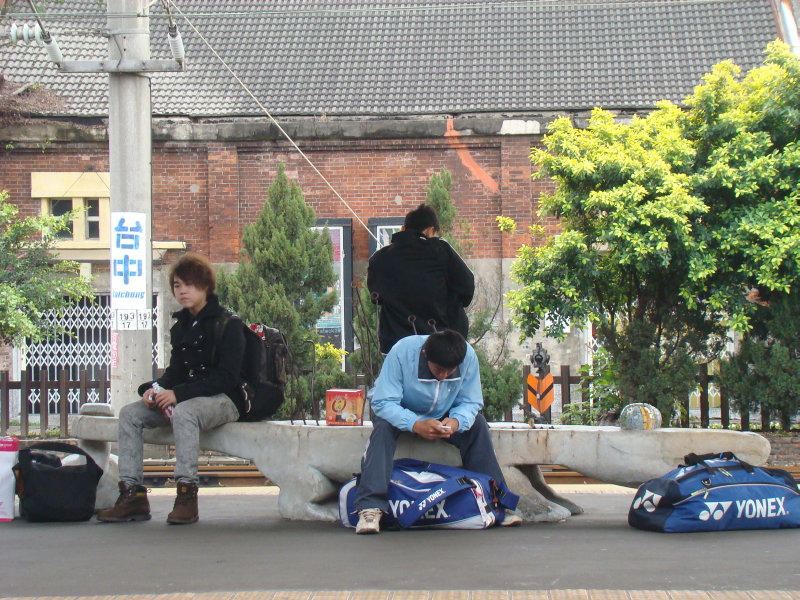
[194, 269]
[445, 348]
[421, 218]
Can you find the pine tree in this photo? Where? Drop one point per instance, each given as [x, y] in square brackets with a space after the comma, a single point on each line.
[285, 274]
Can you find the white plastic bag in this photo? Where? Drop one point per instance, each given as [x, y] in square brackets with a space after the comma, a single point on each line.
[8, 458]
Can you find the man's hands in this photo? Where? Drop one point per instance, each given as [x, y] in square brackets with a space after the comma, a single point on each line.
[433, 429]
[160, 400]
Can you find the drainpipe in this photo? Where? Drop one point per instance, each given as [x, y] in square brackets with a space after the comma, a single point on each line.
[788, 25]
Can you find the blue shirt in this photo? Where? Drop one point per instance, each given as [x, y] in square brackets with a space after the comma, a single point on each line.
[406, 391]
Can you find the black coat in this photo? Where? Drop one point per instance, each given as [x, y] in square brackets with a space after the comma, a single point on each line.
[195, 369]
[420, 276]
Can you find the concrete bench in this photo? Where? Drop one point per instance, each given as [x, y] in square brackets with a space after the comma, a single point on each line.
[310, 462]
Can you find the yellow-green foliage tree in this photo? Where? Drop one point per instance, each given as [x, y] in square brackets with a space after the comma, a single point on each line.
[668, 221]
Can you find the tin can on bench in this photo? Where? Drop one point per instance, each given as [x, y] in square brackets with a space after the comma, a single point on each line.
[344, 407]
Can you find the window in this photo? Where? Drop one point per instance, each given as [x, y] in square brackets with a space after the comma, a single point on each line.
[383, 228]
[87, 195]
[336, 327]
[86, 224]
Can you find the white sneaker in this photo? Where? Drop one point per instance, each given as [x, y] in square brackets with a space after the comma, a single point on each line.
[369, 521]
[511, 519]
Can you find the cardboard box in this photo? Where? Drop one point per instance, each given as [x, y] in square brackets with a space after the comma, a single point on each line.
[344, 407]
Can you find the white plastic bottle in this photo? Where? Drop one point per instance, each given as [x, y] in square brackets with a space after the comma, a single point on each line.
[168, 410]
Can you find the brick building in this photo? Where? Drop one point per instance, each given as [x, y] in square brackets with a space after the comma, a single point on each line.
[379, 95]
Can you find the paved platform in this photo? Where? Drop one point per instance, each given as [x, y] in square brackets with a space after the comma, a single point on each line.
[578, 594]
[242, 550]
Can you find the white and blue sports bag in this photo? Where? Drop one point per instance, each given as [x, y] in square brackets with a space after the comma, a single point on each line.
[423, 494]
[715, 492]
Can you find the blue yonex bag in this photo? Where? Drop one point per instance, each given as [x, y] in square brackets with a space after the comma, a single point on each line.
[423, 494]
[715, 492]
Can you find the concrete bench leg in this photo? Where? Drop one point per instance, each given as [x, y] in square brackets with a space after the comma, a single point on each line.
[534, 475]
[107, 490]
[305, 493]
[533, 504]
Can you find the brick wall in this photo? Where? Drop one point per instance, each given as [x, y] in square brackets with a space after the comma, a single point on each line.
[785, 449]
[204, 193]
[17, 165]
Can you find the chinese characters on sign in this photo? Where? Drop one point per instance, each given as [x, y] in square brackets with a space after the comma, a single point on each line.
[129, 272]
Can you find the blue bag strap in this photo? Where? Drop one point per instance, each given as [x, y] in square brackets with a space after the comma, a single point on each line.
[447, 488]
[505, 497]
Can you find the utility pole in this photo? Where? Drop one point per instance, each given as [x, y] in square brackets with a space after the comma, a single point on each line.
[130, 166]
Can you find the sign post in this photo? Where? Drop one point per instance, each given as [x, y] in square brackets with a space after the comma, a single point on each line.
[539, 388]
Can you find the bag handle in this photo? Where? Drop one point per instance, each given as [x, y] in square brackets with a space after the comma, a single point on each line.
[25, 454]
[692, 459]
[448, 487]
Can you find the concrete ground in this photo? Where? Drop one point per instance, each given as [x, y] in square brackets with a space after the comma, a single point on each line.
[243, 550]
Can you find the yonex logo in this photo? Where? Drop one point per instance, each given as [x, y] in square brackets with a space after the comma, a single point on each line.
[434, 512]
[759, 509]
[649, 501]
[714, 510]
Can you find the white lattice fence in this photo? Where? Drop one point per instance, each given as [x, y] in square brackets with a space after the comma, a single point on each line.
[87, 346]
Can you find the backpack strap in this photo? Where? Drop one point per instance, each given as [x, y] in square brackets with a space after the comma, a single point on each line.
[448, 487]
[219, 329]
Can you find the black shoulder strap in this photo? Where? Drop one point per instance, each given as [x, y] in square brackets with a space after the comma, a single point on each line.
[219, 329]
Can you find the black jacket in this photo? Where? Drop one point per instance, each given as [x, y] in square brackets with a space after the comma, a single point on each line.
[194, 368]
[420, 276]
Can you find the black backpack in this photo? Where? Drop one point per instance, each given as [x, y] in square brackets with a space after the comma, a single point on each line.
[264, 367]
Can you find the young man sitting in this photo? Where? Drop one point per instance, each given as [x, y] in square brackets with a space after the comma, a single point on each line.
[199, 387]
[429, 385]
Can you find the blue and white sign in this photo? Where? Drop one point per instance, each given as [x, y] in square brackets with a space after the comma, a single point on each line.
[129, 268]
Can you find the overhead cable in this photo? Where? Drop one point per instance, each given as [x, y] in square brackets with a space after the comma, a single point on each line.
[271, 118]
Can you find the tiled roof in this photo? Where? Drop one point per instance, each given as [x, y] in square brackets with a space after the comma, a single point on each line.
[365, 57]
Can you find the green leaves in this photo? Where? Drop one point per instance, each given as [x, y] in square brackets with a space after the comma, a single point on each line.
[33, 281]
[285, 277]
[669, 220]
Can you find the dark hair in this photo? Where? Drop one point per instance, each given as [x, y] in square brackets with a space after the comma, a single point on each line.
[445, 348]
[194, 269]
[421, 218]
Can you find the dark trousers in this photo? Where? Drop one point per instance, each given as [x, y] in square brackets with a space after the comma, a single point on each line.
[477, 454]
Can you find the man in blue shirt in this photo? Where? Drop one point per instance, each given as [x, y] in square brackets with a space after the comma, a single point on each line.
[431, 386]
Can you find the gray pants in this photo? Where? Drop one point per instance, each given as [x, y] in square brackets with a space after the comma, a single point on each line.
[475, 446]
[188, 420]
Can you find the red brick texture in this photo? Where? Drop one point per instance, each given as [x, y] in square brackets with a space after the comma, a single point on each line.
[205, 193]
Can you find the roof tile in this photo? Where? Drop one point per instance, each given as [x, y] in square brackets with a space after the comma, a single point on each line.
[396, 57]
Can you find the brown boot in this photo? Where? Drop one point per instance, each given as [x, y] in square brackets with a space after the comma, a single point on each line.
[132, 505]
[185, 509]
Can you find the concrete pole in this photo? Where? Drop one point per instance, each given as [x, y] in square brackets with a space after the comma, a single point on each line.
[130, 166]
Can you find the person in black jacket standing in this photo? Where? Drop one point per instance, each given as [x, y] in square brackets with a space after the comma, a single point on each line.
[421, 284]
[198, 391]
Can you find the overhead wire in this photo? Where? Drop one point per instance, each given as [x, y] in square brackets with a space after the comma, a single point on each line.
[271, 118]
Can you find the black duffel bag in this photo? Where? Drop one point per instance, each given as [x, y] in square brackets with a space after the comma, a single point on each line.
[50, 491]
